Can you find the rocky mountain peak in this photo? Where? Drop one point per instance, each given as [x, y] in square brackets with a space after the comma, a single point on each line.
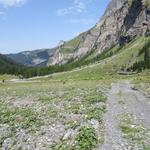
[61, 42]
[114, 5]
[123, 21]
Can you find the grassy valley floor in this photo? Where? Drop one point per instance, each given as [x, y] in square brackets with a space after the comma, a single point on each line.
[51, 113]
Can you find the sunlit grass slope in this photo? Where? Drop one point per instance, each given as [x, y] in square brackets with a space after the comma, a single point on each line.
[124, 59]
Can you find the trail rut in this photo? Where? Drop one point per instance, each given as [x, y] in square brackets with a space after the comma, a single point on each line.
[123, 99]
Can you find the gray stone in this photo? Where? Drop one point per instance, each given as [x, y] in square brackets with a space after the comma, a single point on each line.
[70, 134]
[94, 123]
[5, 131]
[7, 144]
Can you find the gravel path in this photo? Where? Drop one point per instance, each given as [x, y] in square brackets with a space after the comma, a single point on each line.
[122, 99]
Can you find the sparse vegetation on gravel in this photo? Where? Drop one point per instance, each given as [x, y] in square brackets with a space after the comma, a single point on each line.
[137, 135]
[55, 111]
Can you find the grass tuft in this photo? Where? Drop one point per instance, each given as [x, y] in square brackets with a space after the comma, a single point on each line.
[86, 139]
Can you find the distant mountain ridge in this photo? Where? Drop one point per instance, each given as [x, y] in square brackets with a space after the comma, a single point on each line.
[33, 58]
[122, 22]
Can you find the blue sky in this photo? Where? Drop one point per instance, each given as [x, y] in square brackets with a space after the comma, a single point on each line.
[34, 24]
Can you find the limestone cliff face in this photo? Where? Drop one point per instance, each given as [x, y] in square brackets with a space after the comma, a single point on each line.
[122, 21]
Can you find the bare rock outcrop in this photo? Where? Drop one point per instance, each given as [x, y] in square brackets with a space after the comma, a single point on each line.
[122, 22]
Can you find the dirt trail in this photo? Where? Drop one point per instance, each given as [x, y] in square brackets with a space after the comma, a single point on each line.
[122, 99]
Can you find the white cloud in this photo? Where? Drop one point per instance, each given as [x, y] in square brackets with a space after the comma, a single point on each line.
[9, 3]
[2, 13]
[64, 11]
[78, 6]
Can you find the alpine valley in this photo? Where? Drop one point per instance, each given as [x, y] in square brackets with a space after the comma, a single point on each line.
[89, 93]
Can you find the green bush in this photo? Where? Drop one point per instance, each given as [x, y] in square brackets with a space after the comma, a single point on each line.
[86, 139]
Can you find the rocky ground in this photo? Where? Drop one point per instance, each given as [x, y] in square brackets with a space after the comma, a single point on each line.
[68, 115]
[127, 121]
[51, 115]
